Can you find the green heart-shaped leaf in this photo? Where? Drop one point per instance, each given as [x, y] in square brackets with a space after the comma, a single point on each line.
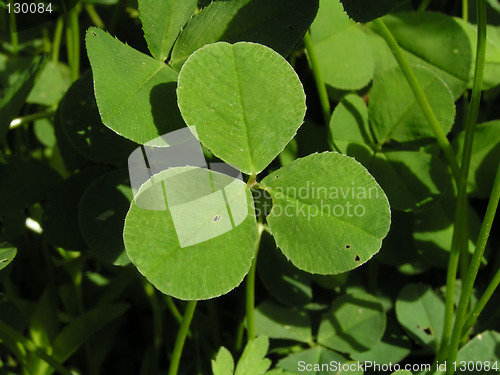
[329, 221]
[191, 240]
[245, 100]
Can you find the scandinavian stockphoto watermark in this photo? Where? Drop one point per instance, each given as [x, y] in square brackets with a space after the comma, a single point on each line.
[310, 201]
[206, 200]
[170, 173]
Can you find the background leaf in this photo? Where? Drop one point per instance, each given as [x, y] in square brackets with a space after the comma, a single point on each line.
[102, 211]
[432, 40]
[51, 85]
[314, 356]
[394, 112]
[482, 348]
[411, 179]
[134, 92]
[7, 254]
[420, 312]
[60, 210]
[285, 282]
[355, 323]
[253, 361]
[240, 115]
[280, 322]
[279, 24]
[82, 125]
[83, 327]
[485, 157]
[223, 364]
[362, 11]
[343, 52]
[162, 22]
[492, 63]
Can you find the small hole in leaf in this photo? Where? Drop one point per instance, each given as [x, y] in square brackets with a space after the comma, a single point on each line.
[217, 218]
[428, 331]
[357, 258]
[276, 176]
[3, 260]
[347, 246]
[93, 33]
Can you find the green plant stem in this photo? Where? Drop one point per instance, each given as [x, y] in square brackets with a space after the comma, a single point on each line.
[460, 234]
[13, 29]
[472, 317]
[465, 10]
[73, 42]
[30, 118]
[423, 5]
[320, 83]
[441, 139]
[238, 344]
[157, 321]
[250, 289]
[470, 278]
[181, 338]
[173, 309]
[94, 16]
[56, 43]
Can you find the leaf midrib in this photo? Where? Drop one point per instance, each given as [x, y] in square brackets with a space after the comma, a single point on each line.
[242, 107]
[132, 93]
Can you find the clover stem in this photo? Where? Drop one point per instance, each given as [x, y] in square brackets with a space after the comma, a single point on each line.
[157, 321]
[419, 94]
[459, 246]
[423, 5]
[173, 309]
[56, 43]
[94, 16]
[250, 289]
[181, 337]
[13, 29]
[30, 118]
[73, 42]
[320, 83]
[475, 263]
[472, 317]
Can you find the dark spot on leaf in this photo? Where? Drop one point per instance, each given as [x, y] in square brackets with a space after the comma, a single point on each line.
[3, 260]
[357, 258]
[276, 176]
[217, 218]
[93, 33]
[347, 246]
[428, 331]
